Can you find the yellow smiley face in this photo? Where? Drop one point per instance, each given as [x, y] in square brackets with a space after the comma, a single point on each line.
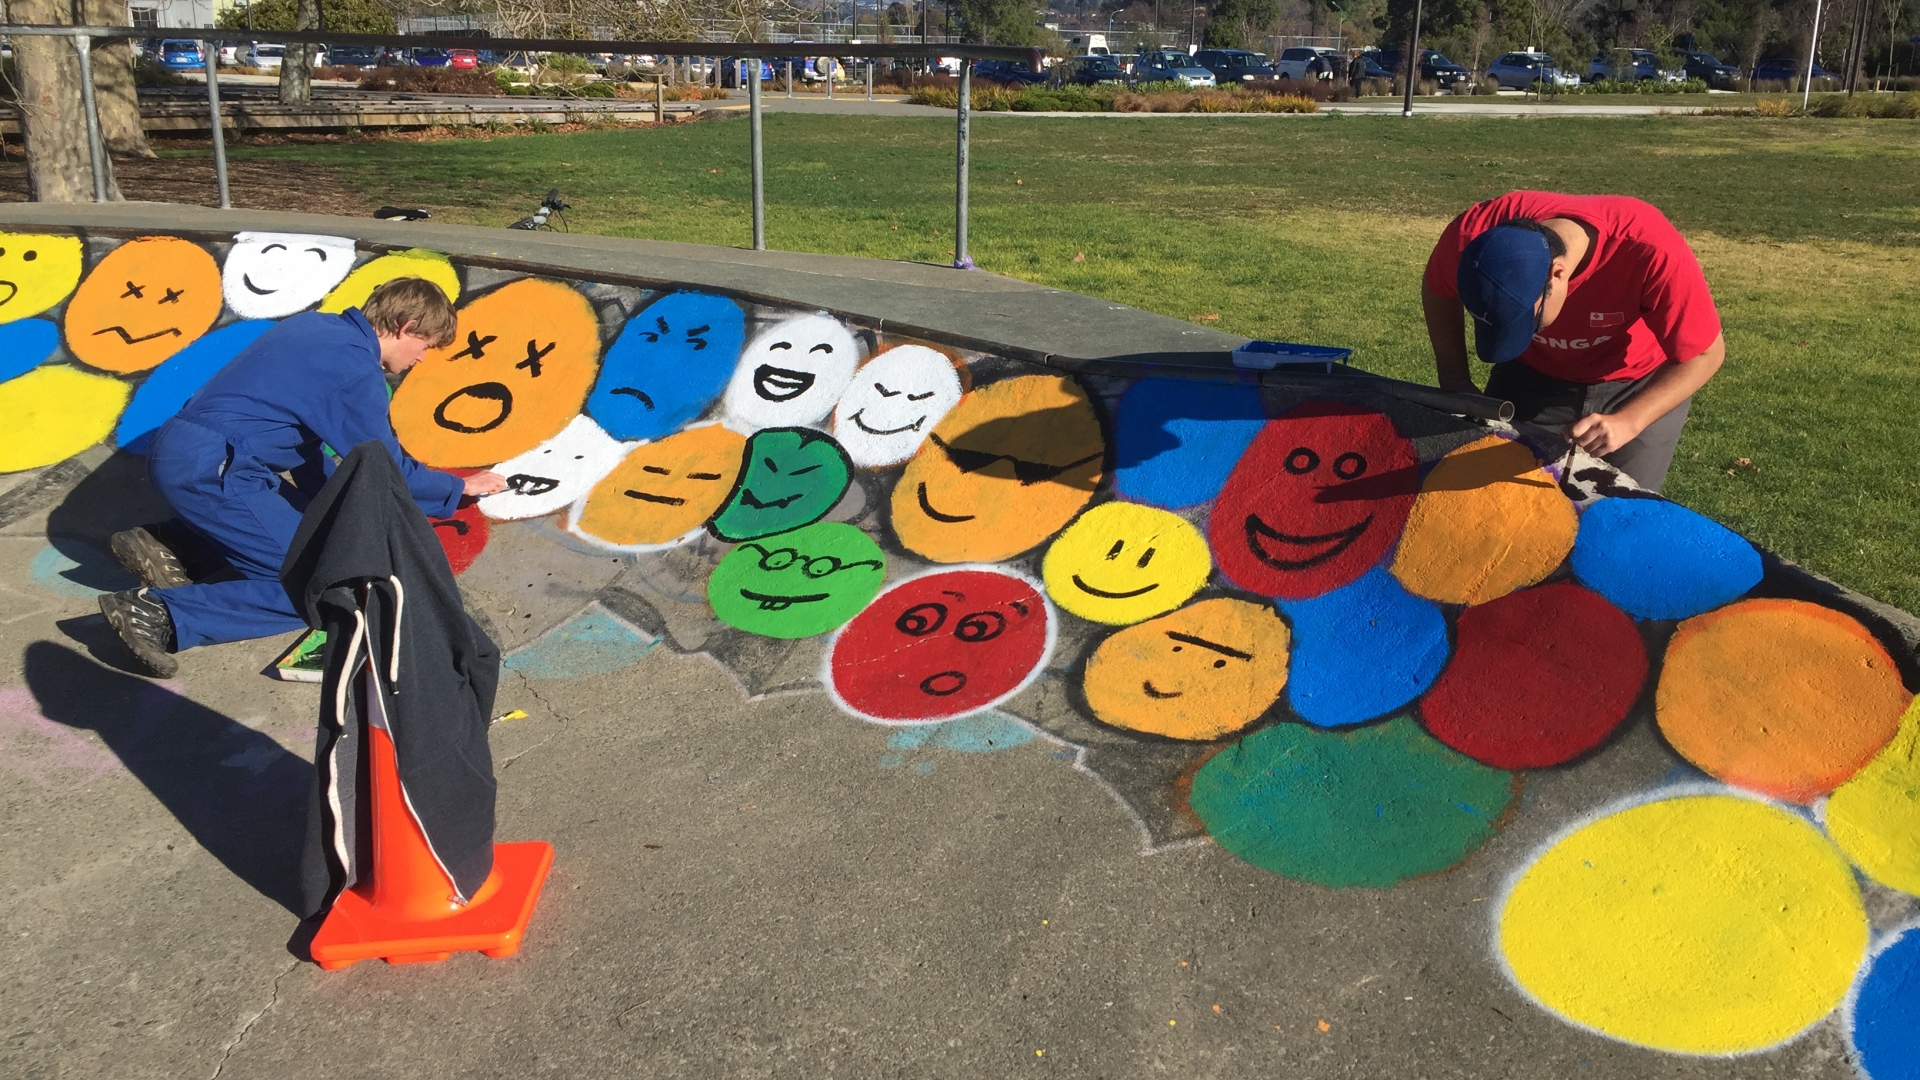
[370, 275]
[1122, 562]
[1200, 673]
[36, 272]
[662, 491]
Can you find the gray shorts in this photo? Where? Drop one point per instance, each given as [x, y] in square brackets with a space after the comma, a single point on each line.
[1550, 402]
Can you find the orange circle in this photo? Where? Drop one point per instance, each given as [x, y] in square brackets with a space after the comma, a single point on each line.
[146, 300]
[1781, 697]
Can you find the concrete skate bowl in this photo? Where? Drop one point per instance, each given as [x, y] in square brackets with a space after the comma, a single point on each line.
[1347, 637]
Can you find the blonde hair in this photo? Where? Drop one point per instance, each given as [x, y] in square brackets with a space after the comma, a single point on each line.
[411, 300]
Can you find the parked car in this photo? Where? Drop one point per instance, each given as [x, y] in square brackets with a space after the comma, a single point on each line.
[1092, 70]
[1367, 66]
[1639, 65]
[270, 55]
[1007, 71]
[1786, 69]
[1237, 66]
[1708, 69]
[1168, 65]
[1309, 62]
[428, 58]
[360, 57]
[229, 54]
[1521, 70]
[177, 54]
[1434, 68]
[463, 59]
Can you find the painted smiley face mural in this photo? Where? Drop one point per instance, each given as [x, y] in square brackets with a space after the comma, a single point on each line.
[893, 402]
[273, 275]
[1315, 502]
[1202, 672]
[789, 477]
[662, 492]
[669, 363]
[557, 473]
[791, 374]
[370, 275]
[1121, 562]
[517, 371]
[1007, 468]
[942, 645]
[36, 272]
[799, 583]
[146, 300]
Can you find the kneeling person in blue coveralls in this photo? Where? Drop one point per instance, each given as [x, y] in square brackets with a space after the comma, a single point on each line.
[314, 379]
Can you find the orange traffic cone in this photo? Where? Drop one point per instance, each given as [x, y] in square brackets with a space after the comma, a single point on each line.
[404, 911]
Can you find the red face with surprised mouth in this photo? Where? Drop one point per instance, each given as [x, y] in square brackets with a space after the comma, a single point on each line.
[1315, 502]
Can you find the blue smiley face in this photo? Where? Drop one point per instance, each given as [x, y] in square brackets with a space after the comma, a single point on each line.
[670, 362]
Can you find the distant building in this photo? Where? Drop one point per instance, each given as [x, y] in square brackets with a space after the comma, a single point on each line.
[172, 14]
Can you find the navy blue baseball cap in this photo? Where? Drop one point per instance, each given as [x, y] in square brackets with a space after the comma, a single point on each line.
[1503, 274]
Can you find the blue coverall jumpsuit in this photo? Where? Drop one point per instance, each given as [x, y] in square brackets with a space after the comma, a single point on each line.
[312, 379]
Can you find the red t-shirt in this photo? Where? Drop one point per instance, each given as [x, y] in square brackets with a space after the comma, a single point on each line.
[1641, 300]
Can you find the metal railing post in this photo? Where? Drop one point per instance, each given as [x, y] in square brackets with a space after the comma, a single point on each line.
[789, 78]
[961, 259]
[759, 163]
[831, 67]
[96, 151]
[869, 80]
[212, 52]
[659, 97]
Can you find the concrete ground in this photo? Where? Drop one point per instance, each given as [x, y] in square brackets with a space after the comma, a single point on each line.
[743, 888]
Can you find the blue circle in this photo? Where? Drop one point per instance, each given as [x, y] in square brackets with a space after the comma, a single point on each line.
[669, 363]
[1362, 651]
[1177, 439]
[1659, 560]
[1886, 1012]
[173, 382]
[24, 344]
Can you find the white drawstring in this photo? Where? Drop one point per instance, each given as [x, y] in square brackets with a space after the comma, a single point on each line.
[333, 756]
[399, 605]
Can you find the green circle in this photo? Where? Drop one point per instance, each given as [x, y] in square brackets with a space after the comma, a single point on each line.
[1367, 806]
[797, 584]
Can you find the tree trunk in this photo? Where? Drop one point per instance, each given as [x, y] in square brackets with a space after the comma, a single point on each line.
[296, 68]
[113, 87]
[53, 119]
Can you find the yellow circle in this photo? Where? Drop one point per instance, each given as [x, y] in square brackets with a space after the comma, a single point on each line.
[1875, 817]
[414, 262]
[1206, 670]
[37, 271]
[54, 412]
[1122, 562]
[1706, 924]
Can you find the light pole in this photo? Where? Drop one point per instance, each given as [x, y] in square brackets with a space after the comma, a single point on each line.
[1813, 50]
[1413, 57]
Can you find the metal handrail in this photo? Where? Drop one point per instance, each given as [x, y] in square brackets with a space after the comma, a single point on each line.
[84, 36]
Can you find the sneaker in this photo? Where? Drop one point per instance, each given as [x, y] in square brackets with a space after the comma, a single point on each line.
[153, 562]
[144, 625]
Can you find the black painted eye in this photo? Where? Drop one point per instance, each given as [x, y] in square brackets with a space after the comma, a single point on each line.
[1146, 558]
[28, 257]
[1302, 461]
[921, 619]
[980, 626]
[1349, 466]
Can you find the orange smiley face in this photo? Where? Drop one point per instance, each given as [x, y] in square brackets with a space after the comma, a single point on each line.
[662, 491]
[146, 300]
[518, 369]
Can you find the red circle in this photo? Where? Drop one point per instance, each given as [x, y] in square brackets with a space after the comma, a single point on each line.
[939, 646]
[1321, 494]
[1538, 677]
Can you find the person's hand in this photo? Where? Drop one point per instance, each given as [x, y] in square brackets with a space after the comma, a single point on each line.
[485, 483]
[1603, 433]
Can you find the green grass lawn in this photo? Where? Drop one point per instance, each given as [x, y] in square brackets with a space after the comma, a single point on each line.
[1316, 229]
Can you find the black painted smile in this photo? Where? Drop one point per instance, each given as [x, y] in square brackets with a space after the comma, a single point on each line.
[647, 496]
[781, 384]
[1260, 535]
[862, 425]
[12, 291]
[779, 603]
[749, 499]
[634, 392]
[130, 339]
[950, 519]
[1105, 595]
[1157, 695]
[527, 484]
[255, 289]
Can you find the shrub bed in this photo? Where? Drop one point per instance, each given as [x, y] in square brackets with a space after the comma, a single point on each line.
[1161, 98]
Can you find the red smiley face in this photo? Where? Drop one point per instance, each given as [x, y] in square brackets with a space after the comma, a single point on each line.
[1314, 503]
[464, 535]
[941, 646]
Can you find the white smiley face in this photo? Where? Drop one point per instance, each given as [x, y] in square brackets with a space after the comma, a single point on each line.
[273, 275]
[893, 402]
[791, 374]
[557, 473]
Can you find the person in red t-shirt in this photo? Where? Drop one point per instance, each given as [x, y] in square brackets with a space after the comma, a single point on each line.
[1593, 311]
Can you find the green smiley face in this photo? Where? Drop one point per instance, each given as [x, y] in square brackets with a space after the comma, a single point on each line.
[799, 583]
[789, 477]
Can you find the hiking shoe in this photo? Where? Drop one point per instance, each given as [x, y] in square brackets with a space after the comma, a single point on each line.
[153, 562]
[144, 625]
